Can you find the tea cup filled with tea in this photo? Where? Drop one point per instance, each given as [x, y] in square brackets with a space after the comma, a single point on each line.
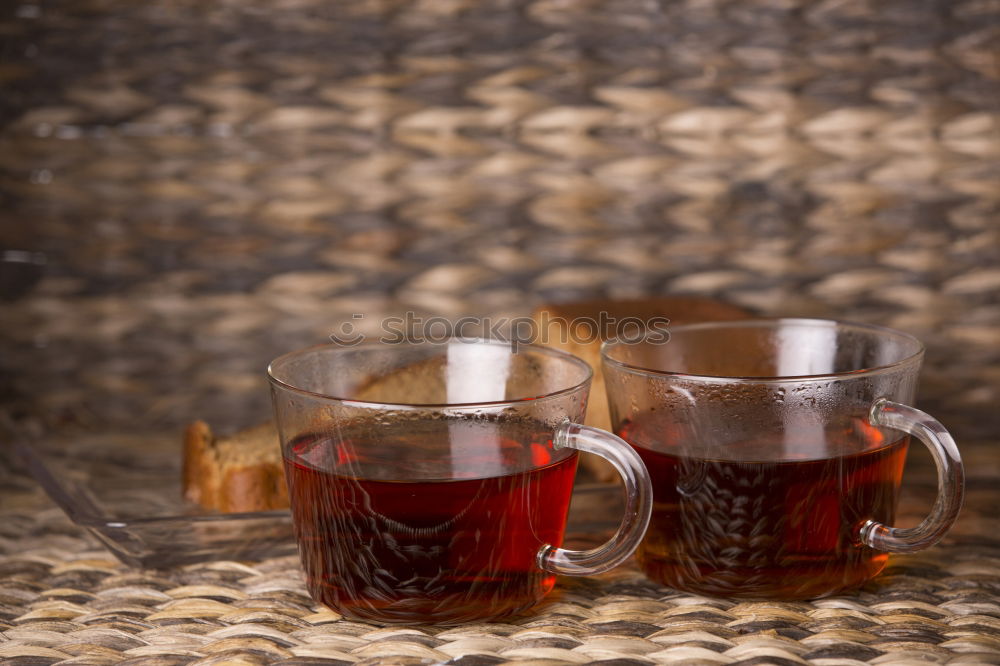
[431, 482]
[776, 451]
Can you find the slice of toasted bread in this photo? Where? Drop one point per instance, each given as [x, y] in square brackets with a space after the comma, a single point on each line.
[244, 472]
[239, 473]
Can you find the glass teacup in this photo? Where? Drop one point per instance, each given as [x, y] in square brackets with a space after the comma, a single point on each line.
[431, 482]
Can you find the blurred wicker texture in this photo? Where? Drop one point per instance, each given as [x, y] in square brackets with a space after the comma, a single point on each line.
[837, 158]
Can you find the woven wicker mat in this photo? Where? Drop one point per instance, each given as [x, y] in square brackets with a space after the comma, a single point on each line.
[64, 600]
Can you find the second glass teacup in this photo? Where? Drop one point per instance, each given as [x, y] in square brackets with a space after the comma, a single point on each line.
[776, 450]
[430, 482]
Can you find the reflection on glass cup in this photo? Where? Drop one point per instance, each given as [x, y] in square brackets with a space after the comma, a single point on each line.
[430, 482]
[776, 450]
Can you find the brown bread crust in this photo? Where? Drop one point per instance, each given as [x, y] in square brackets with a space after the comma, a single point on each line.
[200, 479]
[235, 474]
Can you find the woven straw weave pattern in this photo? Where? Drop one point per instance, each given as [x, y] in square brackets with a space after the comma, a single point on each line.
[63, 601]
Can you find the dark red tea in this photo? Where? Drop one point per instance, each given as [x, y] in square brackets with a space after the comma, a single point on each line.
[429, 521]
[747, 520]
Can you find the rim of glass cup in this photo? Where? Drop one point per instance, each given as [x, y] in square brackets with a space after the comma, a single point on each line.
[588, 372]
[768, 322]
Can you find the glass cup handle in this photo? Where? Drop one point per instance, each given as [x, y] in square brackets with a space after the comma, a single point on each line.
[951, 480]
[638, 504]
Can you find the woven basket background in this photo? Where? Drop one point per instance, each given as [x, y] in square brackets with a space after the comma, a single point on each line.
[214, 183]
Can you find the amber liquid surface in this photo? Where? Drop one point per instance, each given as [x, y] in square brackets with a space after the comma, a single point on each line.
[435, 521]
[750, 519]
